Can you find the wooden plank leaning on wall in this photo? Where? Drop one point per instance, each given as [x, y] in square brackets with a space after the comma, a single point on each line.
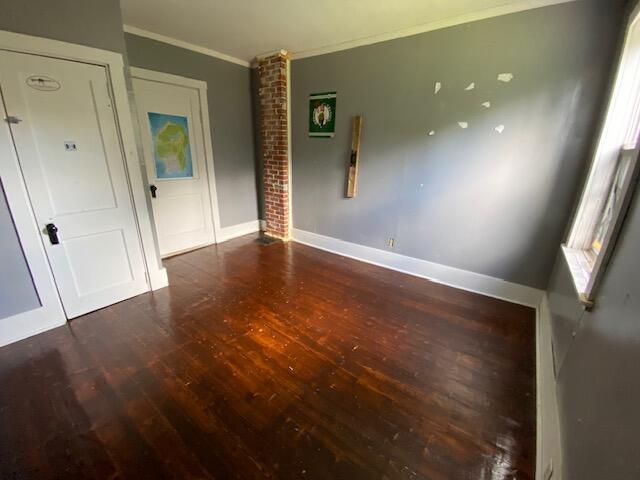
[354, 161]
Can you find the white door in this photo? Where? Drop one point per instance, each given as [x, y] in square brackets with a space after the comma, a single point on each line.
[174, 151]
[64, 129]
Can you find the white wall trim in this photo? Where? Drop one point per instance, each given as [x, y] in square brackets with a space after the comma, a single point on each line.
[157, 273]
[210, 160]
[161, 77]
[234, 231]
[453, 277]
[289, 148]
[548, 446]
[280, 51]
[201, 87]
[512, 7]
[18, 42]
[186, 45]
[24, 325]
[50, 314]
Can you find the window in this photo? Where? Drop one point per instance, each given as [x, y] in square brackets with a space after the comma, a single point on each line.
[612, 177]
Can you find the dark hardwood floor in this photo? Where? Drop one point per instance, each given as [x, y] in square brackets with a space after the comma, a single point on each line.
[276, 361]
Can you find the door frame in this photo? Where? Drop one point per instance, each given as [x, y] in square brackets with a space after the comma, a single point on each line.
[202, 88]
[50, 314]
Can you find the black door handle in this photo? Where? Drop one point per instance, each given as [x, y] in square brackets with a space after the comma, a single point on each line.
[52, 231]
[153, 189]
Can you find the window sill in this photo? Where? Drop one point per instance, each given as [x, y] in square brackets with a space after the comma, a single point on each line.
[580, 263]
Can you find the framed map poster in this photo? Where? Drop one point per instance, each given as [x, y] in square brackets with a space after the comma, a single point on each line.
[322, 114]
[171, 148]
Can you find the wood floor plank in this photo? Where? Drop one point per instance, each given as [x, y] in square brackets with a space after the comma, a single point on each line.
[276, 361]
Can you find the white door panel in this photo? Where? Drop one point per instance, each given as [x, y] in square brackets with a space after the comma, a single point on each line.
[72, 162]
[81, 251]
[182, 207]
[181, 214]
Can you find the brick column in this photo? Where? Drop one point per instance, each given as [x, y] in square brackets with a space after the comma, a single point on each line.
[274, 124]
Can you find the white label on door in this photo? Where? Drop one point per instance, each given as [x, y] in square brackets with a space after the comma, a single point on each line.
[43, 83]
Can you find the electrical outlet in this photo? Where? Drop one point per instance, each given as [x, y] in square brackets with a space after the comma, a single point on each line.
[391, 242]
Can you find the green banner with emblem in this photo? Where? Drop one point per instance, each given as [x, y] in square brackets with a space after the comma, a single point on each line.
[322, 114]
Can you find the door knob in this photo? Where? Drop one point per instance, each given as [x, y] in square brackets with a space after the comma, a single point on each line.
[52, 231]
[153, 189]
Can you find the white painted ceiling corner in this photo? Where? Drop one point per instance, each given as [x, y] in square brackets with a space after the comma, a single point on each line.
[182, 44]
[279, 51]
[256, 60]
[513, 7]
[238, 31]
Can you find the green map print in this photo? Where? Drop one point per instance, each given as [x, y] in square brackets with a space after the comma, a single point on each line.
[171, 148]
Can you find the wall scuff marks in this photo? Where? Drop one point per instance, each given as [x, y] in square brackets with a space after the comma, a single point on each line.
[467, 173]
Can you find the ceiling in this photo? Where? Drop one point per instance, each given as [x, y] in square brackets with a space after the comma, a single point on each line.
[243, 29]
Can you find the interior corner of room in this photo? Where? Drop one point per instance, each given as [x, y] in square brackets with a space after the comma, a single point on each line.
[392, 240]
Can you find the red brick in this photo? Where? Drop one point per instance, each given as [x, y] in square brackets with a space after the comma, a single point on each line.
[272, 72]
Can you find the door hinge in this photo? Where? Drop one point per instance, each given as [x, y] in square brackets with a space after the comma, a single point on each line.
[12, 120]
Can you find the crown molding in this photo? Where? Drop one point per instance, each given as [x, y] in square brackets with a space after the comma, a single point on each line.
[186, 45]
[281, 52]
[513, 7]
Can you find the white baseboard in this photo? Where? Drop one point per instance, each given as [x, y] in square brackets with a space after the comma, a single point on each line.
[158, 279]
[548, 447]
[453, 277]
[234, 231]
[24, 325]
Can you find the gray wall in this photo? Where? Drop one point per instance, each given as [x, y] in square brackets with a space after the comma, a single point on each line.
[597, 356]
[17, 292]
[473, 199]
[230, 111]
[96, 23]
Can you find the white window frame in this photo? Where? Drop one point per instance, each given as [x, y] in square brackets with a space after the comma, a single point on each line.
[618, 142]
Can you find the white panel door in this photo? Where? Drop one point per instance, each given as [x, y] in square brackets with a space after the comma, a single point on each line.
[174, 151]
[72, 162]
